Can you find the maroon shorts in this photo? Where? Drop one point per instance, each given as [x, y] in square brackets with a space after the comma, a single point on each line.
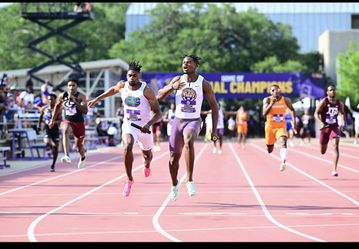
[328, 133]
[156, 127]
[78, 129]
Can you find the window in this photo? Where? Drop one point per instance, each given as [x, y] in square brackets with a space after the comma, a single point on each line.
[355, 21]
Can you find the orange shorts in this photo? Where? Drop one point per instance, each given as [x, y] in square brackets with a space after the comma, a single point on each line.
[272, 134]
[242, 129]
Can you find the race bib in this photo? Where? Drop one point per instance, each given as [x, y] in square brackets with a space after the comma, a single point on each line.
[330, 120]
[133, 115]
[70, 110]
[277, 117]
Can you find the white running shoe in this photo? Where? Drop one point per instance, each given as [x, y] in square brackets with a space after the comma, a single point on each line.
[81, 163]
[191, 189]
[174, 191]
[65, 159]
[334, 173]
[214, 151]
[219, 151]
[283, 166]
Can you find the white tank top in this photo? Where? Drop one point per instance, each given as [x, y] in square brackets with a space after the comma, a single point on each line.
[136, 106]
[189, 99]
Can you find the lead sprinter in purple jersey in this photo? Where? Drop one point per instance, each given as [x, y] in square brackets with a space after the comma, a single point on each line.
[189, 89]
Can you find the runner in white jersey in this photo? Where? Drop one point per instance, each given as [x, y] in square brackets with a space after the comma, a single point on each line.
[190, 89]
[138, 100]
[220, 127]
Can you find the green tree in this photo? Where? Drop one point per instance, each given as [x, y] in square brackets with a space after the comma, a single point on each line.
[272, 64]
[348, 72]
[227, 41]
[100, 34]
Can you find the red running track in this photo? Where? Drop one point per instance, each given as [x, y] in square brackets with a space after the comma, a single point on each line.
[241, 197]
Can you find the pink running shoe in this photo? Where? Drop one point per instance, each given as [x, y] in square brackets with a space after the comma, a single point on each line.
[127, 188]
[146, 171]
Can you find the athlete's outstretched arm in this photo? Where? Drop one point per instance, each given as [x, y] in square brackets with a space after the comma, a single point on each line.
[111, 91]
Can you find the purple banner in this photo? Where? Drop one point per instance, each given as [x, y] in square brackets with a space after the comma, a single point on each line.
[250, 85]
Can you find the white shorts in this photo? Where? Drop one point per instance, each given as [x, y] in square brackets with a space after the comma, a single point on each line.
[144, 140]
[356, 129]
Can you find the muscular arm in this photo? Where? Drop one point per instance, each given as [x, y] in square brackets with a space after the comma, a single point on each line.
[58, 107]
[318, 111]
[174, 85]
[111, 91]
[42, 111]
[267, 105]
[208, 92]
[81, 103]
[155, 107]
[341, 112]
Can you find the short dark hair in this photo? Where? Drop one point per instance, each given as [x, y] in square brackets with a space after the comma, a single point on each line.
[195, 58]
[332, 85]
[53, 95]
[73, 80]
[275, 85]
[134, 66]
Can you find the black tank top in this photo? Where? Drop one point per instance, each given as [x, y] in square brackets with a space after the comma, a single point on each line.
[72, 113]
[329, 114]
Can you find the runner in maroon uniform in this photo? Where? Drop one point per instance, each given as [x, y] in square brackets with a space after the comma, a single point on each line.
[327, 113]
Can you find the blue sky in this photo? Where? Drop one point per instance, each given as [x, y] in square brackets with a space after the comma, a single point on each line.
[4, 4]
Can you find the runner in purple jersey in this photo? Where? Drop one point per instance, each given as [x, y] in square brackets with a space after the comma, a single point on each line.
[189, 89]
[327, 114]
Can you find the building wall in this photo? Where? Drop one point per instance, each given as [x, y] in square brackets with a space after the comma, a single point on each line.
[331, 43]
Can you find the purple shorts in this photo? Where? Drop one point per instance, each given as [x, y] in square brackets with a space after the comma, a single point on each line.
[328, 133]
[181, 127]
[220, 131]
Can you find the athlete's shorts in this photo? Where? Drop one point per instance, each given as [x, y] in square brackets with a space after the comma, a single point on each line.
[328, 133]
[289, 126]
[242, 129]
[272, 134]
[156, 128]
[144, 140]
[53, 134]
[220, 131]
[181, 127]
[356, 129]
[78, 129]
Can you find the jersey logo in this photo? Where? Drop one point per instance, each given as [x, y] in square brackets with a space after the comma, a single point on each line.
[133, 101]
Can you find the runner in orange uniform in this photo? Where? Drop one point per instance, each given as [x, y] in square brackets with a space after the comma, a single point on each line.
[274, 108]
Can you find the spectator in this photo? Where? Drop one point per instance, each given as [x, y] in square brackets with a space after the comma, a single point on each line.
[112, 131]
[27, 98]
[46, 89]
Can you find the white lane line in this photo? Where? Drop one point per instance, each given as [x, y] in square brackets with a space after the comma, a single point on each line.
[42, 164]
[262, 204]
[31, 228]
[329, 150]
[311, 177]
[59, 176]
[155, 220]
[185, 230]
[210, 213]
